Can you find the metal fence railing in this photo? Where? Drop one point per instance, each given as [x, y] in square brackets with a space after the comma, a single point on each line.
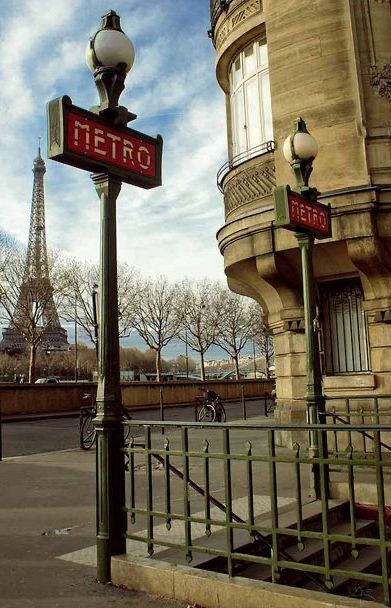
[237, 501]
[360, 411]
[217, 7]
[264, 148]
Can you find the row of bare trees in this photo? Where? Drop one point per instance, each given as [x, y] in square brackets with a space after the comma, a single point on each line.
[199, 313]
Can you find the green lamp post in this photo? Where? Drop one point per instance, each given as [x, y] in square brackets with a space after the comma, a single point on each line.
[110, 55]
[300, 150]
[99, 141]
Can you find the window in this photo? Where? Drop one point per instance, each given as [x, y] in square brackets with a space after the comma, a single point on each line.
[250, 100]
[344, 328]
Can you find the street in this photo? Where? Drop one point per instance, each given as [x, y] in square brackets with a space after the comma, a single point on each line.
[49, 435]
[47, 507]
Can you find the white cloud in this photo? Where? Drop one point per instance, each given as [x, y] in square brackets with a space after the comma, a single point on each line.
[172, 88]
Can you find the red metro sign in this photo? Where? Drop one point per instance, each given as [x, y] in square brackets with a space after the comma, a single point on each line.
[297, 213]
[83, 139]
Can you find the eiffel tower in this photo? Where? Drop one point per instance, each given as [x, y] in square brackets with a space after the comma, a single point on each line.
[36, 282]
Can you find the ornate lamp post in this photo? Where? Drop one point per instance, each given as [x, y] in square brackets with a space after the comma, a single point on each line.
[300, 150]
[110, 56]
[300, 211]
[76, 345]
[94, 297]
[100, 142]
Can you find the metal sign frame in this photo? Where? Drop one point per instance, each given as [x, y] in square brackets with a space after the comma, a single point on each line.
[315, 221]
[60, 112]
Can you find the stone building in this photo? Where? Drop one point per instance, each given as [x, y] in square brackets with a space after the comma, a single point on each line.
[329, 62]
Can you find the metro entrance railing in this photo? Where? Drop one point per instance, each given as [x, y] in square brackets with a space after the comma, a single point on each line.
[238, 469]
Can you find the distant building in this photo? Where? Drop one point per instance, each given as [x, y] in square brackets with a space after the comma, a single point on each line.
[328, 62]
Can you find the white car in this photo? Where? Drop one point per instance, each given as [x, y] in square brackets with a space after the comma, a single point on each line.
[48, 380]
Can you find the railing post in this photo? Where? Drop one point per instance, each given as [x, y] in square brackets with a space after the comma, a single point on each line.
[161, 404]
[244, 409]
[381, 502]
[1, 435]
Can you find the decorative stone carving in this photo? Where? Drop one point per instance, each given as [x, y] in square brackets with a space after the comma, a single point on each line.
[238, 15]
[380, 75]
[249, 185]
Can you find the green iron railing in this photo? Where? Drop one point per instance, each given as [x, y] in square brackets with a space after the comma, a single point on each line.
[203, 501]
[357, 410]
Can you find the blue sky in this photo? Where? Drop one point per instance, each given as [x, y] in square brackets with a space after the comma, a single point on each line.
[172, 87]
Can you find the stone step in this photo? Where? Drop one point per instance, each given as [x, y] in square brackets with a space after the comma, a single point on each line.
[243, 543]
[312, 553]
[368, 561]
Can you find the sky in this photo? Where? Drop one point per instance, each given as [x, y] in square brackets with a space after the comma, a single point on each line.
[172, 88]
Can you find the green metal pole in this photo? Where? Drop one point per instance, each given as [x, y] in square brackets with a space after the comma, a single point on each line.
[111, 517]
[314, 394]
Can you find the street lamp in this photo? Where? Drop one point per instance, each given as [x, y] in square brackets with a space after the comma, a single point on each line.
[254, 358]
[110, 56]
[187, 363]
[48, 352]
[100, 142]
[94, 296]
[300, 150]
[76, 345]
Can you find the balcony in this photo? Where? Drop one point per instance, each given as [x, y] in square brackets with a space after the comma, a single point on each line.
[248, 177]
[216, 8]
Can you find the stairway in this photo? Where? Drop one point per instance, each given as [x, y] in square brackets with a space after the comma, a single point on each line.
[365, 558]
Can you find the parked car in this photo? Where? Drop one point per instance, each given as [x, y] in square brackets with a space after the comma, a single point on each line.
[48, 380]
[231, 375]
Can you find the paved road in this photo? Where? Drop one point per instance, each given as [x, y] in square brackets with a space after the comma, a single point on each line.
[47, 508]
[40, 436]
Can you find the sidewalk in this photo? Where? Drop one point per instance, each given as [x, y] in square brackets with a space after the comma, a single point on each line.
[47, 515]
[47, 509]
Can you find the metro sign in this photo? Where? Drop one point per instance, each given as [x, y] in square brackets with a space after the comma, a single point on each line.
[300, 214]
[82, 139]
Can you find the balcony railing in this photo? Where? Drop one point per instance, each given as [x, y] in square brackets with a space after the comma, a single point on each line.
[264, 148]
[216, 8]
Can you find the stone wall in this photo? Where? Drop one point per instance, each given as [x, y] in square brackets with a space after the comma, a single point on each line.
[50, 398]
[329, 63]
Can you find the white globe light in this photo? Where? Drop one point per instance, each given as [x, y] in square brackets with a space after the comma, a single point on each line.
[111, 47]
[304, 145]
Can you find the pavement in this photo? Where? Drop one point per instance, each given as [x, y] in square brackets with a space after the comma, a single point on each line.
[47, 525]
[47, 510]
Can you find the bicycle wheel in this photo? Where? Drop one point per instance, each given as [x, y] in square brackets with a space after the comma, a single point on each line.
[87, 435]
[207, 413]
[220, 412]
[125, 417]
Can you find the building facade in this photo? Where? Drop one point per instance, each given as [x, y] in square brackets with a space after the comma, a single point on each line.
[329, 62]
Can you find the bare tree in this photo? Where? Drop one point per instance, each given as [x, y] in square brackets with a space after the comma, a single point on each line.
[81, 280]
[265, 343]
[27, 302]
[237, 320]
[199, 313]
[262, 337]
[152, 311]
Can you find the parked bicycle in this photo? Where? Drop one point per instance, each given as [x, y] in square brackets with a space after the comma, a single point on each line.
[211, 407]
[87, 427]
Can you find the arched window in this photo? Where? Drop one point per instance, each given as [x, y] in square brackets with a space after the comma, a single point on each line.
[251, 109]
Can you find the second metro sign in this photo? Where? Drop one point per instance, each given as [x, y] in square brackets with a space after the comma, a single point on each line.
[85, 140]
[295, 212]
